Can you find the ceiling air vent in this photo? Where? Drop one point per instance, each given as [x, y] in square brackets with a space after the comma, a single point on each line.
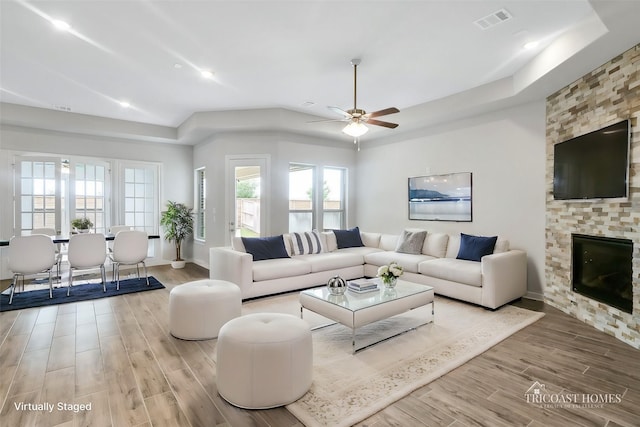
[61, 107]
[494, 19]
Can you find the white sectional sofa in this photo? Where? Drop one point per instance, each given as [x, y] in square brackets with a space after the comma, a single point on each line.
[493, 281]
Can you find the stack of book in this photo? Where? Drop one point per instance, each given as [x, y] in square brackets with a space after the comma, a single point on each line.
[361, 286]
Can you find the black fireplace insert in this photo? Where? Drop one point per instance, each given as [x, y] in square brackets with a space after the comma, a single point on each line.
[602, 269]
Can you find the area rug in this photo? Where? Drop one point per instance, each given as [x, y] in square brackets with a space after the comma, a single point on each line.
[80, 292]
[349, 388]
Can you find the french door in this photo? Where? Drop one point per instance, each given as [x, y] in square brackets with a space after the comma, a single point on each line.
[50, 192]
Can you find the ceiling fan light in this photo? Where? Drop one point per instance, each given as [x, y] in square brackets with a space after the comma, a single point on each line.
[355, 129]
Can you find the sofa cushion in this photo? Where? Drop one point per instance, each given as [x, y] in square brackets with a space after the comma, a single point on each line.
[287, 243]
[279, 268]
[436, 245]
[388, 242]
[371, 240]
[237, 245]
[453, 247]
[410, 242]
[409, 262]
[502, 245]
[362, 251]
[455, 270]
[473, 248]
[348, 238]
[263, 248]
[308, 242]
[332, 260]
[330, 242]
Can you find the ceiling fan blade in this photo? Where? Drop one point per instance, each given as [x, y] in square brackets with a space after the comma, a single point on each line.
[340, 111]
[381, 123]
[391, 110]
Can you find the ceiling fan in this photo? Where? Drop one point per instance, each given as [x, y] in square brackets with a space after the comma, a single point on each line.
[356, 117]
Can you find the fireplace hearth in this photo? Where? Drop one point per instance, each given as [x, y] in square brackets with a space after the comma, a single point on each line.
[602, 269]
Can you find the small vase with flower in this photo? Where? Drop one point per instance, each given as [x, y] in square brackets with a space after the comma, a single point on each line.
[389, 274]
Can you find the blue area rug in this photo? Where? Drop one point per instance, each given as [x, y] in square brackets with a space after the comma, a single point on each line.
[82, 292]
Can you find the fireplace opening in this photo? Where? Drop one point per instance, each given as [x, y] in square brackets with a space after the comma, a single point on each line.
[602, 269]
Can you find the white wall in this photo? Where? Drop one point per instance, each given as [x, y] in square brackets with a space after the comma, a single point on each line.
[176, 171]
[505, 151]
[282, 148]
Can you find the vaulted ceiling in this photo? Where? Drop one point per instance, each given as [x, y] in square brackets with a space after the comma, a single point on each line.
[279, 64]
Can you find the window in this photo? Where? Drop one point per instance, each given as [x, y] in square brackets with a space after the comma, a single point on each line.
[38, 193]
[201, 191]
[140, 196]
[316, 202]
[333, 198]
[301, 197]
[89, 193]
[52, 191]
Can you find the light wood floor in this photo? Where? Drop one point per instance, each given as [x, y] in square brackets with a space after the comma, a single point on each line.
[116, 354]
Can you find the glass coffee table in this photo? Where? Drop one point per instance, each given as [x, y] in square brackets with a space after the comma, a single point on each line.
[355, 310]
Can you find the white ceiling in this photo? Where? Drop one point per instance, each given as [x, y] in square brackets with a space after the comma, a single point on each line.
[294, 55]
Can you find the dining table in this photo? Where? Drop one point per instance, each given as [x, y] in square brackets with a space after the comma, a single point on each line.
[65, 239]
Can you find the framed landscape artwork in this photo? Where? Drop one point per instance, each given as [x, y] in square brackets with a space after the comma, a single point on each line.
[441, 197]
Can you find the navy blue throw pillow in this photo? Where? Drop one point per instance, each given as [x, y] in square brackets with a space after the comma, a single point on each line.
[473, 248]
[265, 247]
[348, 238]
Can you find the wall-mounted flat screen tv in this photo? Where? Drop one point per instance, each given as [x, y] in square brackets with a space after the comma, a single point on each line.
[594, 165]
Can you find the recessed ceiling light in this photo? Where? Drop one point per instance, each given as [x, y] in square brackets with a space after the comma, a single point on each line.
[125, 104]
[530, 45]
[61, 25]
[207, 74]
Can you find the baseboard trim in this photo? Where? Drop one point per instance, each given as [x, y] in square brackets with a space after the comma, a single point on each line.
[200, 263]
[534, 296]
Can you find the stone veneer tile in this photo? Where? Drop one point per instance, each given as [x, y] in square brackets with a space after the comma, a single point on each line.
[602, 97]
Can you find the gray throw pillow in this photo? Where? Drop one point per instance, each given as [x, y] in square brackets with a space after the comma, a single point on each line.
[411, 242]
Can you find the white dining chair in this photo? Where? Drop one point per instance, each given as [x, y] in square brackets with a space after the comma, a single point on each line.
[59, 248]
[129, 248]
[31, 255]
[87, 251]
[114, 230]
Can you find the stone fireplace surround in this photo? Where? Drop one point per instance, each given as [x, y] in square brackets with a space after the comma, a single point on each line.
[606, 95]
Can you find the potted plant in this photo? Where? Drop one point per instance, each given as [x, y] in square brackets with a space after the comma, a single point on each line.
[82, 225]
[177, 221]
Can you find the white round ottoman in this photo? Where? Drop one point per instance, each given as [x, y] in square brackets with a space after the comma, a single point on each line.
[197, 310]
[264, 360]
